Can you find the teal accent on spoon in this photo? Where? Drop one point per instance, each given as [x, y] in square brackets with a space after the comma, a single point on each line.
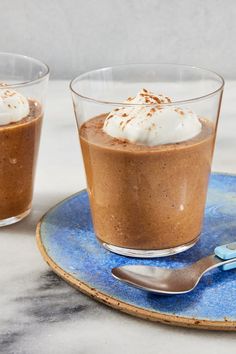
[227, 252]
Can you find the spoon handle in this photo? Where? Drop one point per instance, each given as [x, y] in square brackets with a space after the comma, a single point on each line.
[227, 252]
[224, 256]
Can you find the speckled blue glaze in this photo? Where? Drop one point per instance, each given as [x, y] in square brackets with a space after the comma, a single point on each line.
[68, 237]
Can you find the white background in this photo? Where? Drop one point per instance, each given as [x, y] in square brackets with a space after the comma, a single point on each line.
[73, 36]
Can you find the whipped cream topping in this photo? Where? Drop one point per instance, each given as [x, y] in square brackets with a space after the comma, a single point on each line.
[13, 106]
[158, 124]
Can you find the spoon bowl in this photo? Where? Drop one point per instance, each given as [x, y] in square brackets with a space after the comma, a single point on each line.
[169, 281]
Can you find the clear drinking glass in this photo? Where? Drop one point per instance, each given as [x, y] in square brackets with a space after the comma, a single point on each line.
[147, 201]
[23, 83]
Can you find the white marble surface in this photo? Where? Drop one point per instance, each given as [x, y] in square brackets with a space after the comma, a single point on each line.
[76, 36]
[39, 313]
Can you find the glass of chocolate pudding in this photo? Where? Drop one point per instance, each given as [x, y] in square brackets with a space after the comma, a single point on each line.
[147, 134]
[23, 82]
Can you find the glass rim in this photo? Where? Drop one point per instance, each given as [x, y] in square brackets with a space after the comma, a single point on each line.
[173, 103]
[32, 59]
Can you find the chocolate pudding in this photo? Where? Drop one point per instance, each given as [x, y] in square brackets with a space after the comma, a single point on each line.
[19, 149]
[146, 197]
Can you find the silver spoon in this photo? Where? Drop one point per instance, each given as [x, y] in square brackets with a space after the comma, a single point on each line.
[176, 281]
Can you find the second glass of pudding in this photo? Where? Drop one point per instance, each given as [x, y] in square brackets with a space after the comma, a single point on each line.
[23, 83]
[147, 134]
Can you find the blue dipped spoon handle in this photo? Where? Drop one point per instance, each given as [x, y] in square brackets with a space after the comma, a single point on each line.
[227, 252]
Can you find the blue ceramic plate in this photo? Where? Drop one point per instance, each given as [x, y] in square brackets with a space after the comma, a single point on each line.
[67, 242]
